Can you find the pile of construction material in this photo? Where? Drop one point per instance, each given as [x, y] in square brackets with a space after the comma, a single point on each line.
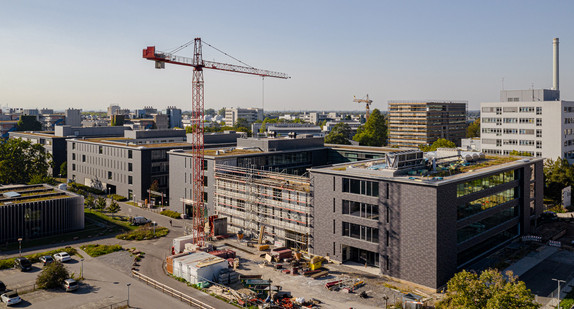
[227, 277]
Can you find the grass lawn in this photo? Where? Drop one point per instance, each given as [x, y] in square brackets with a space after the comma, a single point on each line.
[98, 250]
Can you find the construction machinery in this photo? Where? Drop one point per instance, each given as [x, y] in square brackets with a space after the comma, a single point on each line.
[198, 64]
[367, 103]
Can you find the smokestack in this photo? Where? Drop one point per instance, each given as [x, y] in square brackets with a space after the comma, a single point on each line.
[555, 77]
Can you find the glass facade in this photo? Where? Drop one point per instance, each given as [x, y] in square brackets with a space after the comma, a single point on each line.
[360, 232]
[484, 203]
[480, 184]
[479, 227]
[363, 210]
[487, 245]
[363, 187]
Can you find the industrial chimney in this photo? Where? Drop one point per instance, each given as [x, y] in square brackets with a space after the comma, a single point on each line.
[555, 80]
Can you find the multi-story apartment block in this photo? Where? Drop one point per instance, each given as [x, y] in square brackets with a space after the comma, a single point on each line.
[250, 114]
[419, 229]
[415, 123]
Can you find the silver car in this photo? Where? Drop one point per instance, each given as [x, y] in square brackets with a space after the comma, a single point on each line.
[70, 285]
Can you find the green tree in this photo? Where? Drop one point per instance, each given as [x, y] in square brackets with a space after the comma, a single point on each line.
[21, 160]
[322, 123]
[64, 169]
[473, 130]
[374, 131]
[339, 134]
[90, 202]
[241, 125]
[52, 276]
[489, 290]
[28, 123]
[520, 153]
[264, 125]
[38, 179]
[558, 174]
[439, 143]
[209, 111]
[221, 112]
[113, 207]
[100, 203]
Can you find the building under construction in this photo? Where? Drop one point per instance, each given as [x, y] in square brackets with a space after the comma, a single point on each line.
[257, 200]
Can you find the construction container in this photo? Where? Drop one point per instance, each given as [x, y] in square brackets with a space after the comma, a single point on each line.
[178, 244]
[169, 261]
[198, 266]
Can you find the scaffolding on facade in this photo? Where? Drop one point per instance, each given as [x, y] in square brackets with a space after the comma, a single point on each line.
[252, 198]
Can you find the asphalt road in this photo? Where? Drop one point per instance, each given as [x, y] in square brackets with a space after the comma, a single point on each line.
[560, 266]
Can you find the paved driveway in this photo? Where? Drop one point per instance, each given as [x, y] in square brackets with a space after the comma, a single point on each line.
[559, 265]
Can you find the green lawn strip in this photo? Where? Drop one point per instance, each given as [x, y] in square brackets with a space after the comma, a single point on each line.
[116, 220]
[171, 214]
[34, 258]
[144, 232]
[96, 250]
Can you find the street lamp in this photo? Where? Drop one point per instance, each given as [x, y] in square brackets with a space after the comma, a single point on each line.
[385, 298]
[82, 269]
[154, 223]
[128, 294]
[558, 296]
[20, 246]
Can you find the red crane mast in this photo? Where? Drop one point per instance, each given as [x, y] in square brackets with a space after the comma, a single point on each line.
[197, 96]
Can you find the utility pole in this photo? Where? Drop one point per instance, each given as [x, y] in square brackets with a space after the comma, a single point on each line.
[558, 295]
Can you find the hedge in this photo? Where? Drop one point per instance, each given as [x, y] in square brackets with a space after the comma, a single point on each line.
[171, 214]
[119, 198]
[143, 233]
[98, 250]
[75, 187]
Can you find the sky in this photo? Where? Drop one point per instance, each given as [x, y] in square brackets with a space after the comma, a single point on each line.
[88, 54]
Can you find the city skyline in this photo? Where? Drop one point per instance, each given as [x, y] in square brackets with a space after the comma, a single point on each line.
[88, 55]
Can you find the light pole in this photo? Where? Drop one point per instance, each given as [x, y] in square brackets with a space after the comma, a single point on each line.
[154, 223]
[20, 246]
[128, 294]
[385, 298]
[558, 296]
[82, 269]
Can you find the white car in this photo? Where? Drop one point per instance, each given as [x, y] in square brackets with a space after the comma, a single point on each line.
[10, 298]
[62, 257]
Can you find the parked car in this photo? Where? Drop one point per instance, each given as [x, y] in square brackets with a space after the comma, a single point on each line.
[2, 287]
[23, 264]
[46, 259]
[139, 220]
[10, 298]
[70, 285]
[62, 257]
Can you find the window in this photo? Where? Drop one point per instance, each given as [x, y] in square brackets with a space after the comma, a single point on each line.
[130, 154]
[205, 181]
[480, 184]
[130, 180]
[130, 167]
[479, 227]
[363, 210]
[538, 144]
[360, 232]
[538, 110]
[538, 133]
[73, 145]
[363, 187]
[484, 203]
[538, 122]
[205, 197]
[83, 158]
[334, 205]
[276, 194]
[100, 149]
[204, 165]
[73, 156]
[73, 166]
[334, 228]
[109, 175]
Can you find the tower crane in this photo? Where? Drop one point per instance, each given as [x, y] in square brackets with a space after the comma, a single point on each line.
[367, 102]
[198, 65]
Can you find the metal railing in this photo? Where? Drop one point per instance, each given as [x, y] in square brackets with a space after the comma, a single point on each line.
[171, 292]
[119, 305]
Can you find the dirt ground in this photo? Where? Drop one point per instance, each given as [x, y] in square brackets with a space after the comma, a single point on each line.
[377, 288]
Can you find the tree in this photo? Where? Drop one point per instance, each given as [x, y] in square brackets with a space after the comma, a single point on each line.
[339, 134]
[52, 276]
[557, 175]
[439, 143]
[221, 112]
[64, 169]
[90, 202]
[473, 130]
[29, 159]
[322, 123]
[100, 203]
[28, 123]
[38, 179]
[520, 153]
[113, 207]
[209, 111]
[490, 290]
[374, 131]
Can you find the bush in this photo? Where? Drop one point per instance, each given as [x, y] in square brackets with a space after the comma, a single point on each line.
[144, 232]
[119, 198]
[52, 276]
[171, 214]
[98, 250]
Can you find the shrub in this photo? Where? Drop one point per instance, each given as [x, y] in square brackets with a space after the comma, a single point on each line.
[171, 214]
[119, 198]
[98, 250]
[52, 276]
[144, 232]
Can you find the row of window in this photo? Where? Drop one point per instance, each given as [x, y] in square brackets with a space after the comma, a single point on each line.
[484, 203]
[479, 227]
[111, 151]
[363, 210]
[361, 232]
[107, 162]
[363, 187]
[480, 184]
[513, 109]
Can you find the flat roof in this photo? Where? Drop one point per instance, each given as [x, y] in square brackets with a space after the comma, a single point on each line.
[368, 169]
[125, 142]
[18, 194]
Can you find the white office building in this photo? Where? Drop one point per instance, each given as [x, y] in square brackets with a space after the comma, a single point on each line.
[250, 114]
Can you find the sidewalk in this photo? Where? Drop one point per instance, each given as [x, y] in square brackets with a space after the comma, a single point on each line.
[532, 259]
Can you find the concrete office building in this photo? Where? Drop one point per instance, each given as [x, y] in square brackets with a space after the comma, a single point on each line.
[534, 122]
[421, 229]
[250, 114]
[415, 123]
[74, 117]
[175, 116]
[37, 211]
